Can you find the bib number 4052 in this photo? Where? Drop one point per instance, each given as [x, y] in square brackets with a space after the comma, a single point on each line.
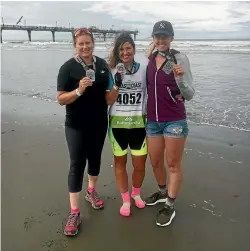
[129, 99]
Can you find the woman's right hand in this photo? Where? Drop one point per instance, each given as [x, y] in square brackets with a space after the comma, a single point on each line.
[83, 84]
[118, 79]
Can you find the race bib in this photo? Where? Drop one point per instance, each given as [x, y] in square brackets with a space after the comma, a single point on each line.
[128, 99]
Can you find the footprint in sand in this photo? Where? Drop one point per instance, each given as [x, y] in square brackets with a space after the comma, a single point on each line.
[56, 245]
[212, 209]
[29, 222]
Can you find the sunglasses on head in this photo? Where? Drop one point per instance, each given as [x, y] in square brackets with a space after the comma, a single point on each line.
[82, 31]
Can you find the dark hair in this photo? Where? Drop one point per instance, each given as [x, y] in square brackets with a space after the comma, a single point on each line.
[124, 37]
[81, 32]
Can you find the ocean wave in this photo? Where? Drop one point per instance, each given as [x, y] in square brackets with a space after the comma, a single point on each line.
[188, 45]
[46, 98]
[219, 125]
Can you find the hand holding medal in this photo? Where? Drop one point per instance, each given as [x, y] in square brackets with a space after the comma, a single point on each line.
[90, 74]
[121, 70]
[178, 70]
[84, 83]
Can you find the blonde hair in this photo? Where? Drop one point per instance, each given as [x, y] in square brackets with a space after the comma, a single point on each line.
[151, 48]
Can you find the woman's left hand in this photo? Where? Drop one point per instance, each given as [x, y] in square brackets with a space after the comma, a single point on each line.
[178, 70]
[179, 97]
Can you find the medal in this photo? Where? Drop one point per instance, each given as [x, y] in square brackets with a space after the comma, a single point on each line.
[121, 69]
[168, 67]
[90, 74]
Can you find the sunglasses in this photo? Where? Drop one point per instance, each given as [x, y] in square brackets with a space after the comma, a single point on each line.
[82, 31]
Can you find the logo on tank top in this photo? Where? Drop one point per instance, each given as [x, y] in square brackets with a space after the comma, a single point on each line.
[131, 85]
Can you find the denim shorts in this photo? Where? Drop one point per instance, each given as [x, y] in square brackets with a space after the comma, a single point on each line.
[174, 129]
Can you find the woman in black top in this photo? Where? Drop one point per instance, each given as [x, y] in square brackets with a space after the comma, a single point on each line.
[81, 86]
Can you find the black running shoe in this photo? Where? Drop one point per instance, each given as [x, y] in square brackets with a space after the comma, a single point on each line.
[165, 216]
[156, 198]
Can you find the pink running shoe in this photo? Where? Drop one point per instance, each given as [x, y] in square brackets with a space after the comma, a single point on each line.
[94, 199]
[71, 228]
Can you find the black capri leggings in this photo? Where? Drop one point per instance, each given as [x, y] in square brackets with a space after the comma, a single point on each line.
[83, 145]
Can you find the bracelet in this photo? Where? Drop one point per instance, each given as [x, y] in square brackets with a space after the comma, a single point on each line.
[78, 93]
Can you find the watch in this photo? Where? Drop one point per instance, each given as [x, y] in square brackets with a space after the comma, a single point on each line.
[78, 93]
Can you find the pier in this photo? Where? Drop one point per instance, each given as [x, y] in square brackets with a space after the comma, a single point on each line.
[96, 31]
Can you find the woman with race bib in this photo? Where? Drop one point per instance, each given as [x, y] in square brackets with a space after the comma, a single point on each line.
[127, 97]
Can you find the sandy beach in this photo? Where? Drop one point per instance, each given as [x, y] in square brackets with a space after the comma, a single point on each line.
[212, 208]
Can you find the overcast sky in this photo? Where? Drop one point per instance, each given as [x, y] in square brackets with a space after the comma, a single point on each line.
[190, 19]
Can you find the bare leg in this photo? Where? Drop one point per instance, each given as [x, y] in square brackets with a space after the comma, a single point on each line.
[174, 153]
[122, 183]
[92, 181]
[74, 200]
[137, 178]
[121, 173]
[139, 170]
[156, 146]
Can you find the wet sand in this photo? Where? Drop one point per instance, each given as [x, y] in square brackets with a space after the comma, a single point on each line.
[212, 209]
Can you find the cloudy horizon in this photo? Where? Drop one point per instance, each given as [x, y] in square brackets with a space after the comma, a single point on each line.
[191, 20]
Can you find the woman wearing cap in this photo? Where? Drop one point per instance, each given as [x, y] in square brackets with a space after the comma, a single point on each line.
[127, 97]
[169, 81]
[81, 86]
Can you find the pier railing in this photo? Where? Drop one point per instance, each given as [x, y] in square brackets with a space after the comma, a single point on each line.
[53, 30]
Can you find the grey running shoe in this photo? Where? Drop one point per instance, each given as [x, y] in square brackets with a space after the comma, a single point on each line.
[165, 216]
[156, 198]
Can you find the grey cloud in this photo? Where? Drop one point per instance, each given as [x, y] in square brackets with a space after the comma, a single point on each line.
[244, 25]
[72, 13]
[236, 14]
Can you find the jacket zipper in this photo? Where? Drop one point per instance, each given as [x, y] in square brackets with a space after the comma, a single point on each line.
[156, 103]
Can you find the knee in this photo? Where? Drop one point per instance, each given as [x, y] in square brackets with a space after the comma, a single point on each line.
[120, 163]
[157, 163]
[76, 167]
[139, 168]
[174, 166]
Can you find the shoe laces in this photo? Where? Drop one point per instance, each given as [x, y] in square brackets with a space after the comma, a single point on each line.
[94, 195]
[155, 195]
[166, 209]
[72, 220]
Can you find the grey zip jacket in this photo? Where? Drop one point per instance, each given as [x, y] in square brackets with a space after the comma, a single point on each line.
[185, 82]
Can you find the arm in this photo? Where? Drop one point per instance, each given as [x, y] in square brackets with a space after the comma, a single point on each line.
[185, 82]
[63, 96]
[112, 90]
[66, 98]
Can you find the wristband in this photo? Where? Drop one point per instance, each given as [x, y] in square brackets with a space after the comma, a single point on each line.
[78, 93]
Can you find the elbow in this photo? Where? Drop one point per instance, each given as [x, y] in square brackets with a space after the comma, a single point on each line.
[60, 102]
[110, 102]
[109, 99]
[189, 96]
